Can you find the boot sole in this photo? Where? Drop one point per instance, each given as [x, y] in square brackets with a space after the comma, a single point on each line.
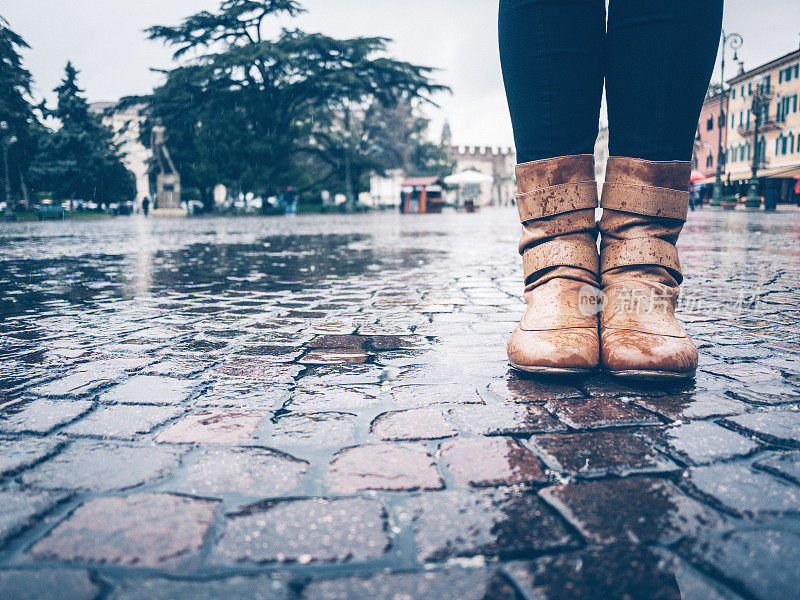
[644, 375]
[553, 370]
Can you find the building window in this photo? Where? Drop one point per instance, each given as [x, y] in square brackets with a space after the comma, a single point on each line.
[733, 94]
[710, 122]
[709, 161]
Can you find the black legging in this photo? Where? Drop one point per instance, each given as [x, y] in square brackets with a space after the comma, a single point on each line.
[656, 58]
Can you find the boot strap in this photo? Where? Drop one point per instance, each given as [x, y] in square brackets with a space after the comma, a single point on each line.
[646, 200]
[560, 252]
[557, 199]
[642, 252]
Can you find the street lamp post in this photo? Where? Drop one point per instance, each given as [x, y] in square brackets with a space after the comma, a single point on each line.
[758, 108]
[735, 41]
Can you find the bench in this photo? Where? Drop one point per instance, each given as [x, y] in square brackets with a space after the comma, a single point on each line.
[50, 212]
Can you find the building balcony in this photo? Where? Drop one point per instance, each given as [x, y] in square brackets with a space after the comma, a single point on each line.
[767, 127]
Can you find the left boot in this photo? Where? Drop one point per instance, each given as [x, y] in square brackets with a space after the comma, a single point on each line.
[644, 205]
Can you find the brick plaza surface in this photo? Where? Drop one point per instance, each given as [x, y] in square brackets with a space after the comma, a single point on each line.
[319, 407]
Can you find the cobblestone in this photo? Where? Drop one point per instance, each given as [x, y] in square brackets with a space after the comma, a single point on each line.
[778, 427]
[741, 490]
[783, 465]
[213, 427]
[655, 511]
[495, 523]
[150, 389]
[457, 584]
[16, 454]
[248, 472]
[487, 462]
[702, 442]
[763, 562]
[320, 407]
[129, 531]
[42, 416]
[384, 466]
[591, 413]
[233, 588]
[305, 531]
[49, 584]
[19, 508]
[122, 421]
[617, 572]
[598, 453]
[101, 466]
[413, 424]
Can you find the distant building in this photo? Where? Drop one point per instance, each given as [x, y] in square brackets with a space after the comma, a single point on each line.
[706, 147]
[126, 125]
[779, 132]
[498, 163]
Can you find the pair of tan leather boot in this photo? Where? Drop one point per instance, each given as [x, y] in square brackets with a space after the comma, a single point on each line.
[615, 308]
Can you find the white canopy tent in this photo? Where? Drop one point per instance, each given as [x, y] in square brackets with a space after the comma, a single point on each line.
[468, 177]
[474, 188]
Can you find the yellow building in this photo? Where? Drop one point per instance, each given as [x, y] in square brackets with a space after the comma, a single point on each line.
[779, 131]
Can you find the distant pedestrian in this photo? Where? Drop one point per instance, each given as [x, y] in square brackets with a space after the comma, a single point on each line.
[146, 205]
[290, 201]
[654, 59]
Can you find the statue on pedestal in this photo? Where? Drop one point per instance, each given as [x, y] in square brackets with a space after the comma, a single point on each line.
[168, 180]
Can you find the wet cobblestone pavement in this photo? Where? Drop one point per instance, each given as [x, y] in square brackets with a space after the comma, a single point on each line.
[320, 408]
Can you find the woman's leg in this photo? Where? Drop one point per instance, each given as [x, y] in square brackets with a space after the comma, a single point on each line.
[552, 57]
[551, 51]
[659, 58]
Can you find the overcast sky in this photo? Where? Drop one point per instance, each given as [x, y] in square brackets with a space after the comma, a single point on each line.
[104, 40]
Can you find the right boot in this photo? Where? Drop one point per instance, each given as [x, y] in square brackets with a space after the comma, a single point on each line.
[559, 332]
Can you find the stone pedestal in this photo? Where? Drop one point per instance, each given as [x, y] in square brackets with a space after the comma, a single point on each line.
[168, 196]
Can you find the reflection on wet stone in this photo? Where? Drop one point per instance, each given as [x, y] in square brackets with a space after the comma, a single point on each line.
[654, 511]
[762, 562]
[486, 462]
[701, 442]
[591, 413]
[741, 490]
[495, 523]
[149, 389]
[229, 349]
[598, 453]
[617, 572]
[506, 419]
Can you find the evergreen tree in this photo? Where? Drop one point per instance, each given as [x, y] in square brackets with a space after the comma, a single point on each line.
[252, 112]
[80, 160]
[15, 107]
